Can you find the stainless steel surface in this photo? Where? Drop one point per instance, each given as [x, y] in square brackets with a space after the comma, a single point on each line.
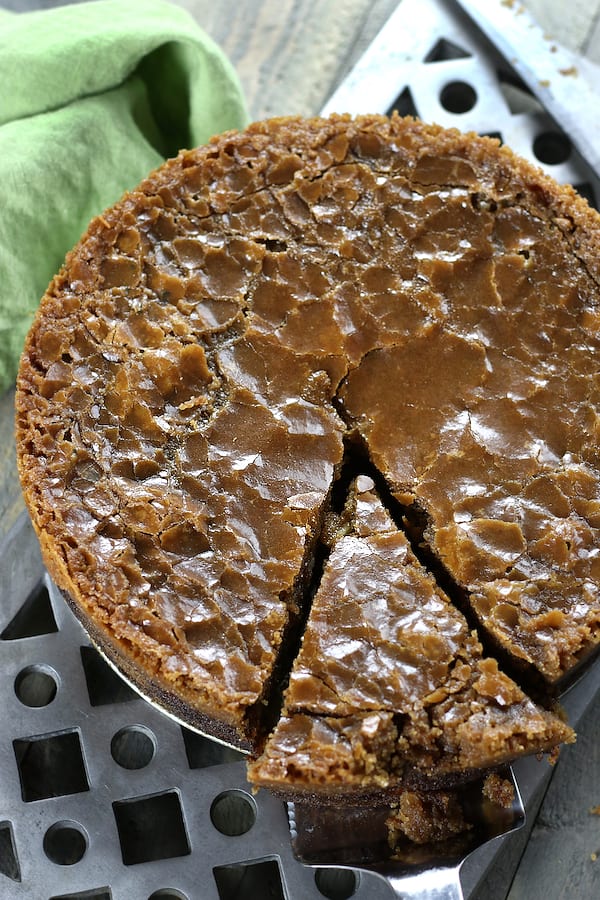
[90, 770]
[432, 884]
[567, 86]
[357, 837]
[105, 797]
[64, 757]
[430, 60]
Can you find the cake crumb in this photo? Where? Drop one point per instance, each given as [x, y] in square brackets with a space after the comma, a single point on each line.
[425, 818]
[553, 756]
[498, 790]
[595, 810]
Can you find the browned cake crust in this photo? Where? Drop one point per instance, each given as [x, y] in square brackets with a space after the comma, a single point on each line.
[200, 361]
[390, 687]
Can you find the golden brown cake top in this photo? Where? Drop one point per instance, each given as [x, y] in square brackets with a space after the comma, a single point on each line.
[193, 369]
[390, 686]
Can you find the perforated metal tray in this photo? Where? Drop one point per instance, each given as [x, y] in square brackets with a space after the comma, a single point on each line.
[105, 798]
[102, 795]
[446, 71]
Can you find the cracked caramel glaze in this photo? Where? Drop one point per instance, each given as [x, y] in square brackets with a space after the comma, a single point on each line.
[390, 686]
[193, 368]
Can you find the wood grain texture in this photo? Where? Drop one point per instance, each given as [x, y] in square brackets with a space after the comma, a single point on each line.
[591, 44]
[11, 501]
[558, 861]
[290, 54]
[570, 23]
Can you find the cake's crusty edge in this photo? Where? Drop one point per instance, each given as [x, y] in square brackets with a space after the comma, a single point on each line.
[155, 690]
[369, 796]
[182, 705]
[562, 204]
[409, 779]
[513, 175]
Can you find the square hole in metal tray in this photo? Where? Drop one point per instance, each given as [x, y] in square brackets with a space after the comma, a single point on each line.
[34, 617]
[103, 684]
[201, 752]
[249, 880]
[151, 828]
[50, 765]
[9, 862]
[102, 893]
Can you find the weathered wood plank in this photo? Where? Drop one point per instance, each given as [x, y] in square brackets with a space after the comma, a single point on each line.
[591, 45]
[290, 54]
[11, 502]
[558, 860]
[570, 23]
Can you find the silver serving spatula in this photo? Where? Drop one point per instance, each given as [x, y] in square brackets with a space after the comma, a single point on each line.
[566, 84]
[357, 838]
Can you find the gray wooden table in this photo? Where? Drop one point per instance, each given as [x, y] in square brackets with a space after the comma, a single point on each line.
[290, 55]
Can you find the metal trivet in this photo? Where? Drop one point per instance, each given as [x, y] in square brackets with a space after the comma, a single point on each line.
[103, 797]
[447, 72]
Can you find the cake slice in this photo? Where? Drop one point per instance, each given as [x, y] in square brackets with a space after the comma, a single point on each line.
[390, 687]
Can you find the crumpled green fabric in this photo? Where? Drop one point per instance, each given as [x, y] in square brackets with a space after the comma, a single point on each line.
[93, 96]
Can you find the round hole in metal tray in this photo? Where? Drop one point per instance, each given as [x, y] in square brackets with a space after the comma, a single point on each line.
[36, 685]
[552, 148]
[233, 812]
[65, 843]
[336, 884]
[168, 894]
[458, 97]
[133, 747]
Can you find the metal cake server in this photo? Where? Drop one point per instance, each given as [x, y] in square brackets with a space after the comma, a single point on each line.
[567, 86]
[357, 838]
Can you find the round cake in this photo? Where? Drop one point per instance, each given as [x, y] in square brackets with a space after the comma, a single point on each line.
[225, 356]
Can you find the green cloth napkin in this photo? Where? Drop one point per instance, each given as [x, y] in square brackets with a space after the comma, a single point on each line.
[92, 97]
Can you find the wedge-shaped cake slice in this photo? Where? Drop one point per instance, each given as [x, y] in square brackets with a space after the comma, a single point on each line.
[390, 687]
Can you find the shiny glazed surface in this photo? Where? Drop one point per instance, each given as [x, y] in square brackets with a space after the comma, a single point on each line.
[389, 684]
[193, 369]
